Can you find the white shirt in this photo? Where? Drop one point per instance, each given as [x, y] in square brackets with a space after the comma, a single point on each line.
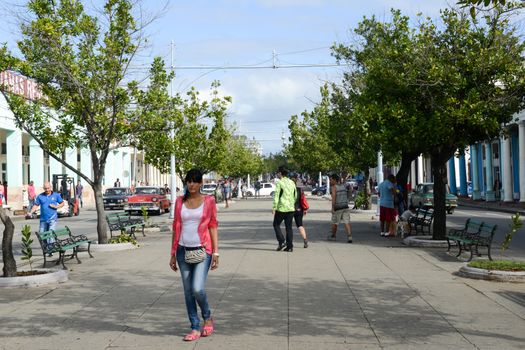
[191, 219]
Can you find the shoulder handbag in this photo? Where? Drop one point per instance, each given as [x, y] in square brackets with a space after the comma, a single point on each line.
[304, 203]
[194, 255]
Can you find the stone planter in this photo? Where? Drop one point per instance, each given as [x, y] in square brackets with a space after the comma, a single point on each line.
[51, 277]
[425, 242]
[491, 275]
[151, 229]
[100, 248]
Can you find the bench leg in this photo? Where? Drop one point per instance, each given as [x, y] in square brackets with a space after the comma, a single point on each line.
[75, 254]
[488, 252]
[89, 250]
[61, 260]
[143, 234]
[471, 253]
[460, 248]
[449, 245]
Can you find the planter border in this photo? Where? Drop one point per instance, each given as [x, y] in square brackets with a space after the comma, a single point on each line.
[491, 275]
[100, 248]
[52, 277]
[425, 242]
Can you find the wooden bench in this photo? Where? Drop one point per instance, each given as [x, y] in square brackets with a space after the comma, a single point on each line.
[474, 235]
[423, 219]
[122, 222]
[62, 240]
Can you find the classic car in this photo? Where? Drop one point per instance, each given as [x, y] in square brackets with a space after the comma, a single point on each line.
[423, 196]
[267, 189]
[116, 197]
[319, 191]
[153, 198]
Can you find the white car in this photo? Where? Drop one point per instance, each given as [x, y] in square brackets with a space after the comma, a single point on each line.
[267, 189]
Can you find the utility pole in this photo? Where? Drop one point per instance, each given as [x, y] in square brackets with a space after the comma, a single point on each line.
[172, 158]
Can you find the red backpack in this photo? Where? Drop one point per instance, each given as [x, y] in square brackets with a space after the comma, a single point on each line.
[304, 202]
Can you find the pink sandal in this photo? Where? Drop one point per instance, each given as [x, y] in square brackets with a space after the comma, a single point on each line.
[191, 336]
[208, 328]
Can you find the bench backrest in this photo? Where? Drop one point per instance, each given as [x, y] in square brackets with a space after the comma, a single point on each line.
[44, 236]
[61, 232]
[473, 226]
[487, 231]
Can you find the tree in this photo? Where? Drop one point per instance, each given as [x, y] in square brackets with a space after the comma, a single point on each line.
[81, 62]
[440, 87]
[309, 148]
[242, 159]
[200, 134]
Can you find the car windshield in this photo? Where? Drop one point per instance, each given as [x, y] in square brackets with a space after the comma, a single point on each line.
[209, 187]
[147, 190]
[115, 191]
[428, 189]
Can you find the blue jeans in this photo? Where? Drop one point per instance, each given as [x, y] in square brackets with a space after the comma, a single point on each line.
[194, 278]
[46, 226]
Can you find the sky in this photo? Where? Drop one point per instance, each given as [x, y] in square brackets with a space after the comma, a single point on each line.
[256, 33]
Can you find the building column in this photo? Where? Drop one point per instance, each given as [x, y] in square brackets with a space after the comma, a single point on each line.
[506, 173]
[490, 196]
[476, 195]
[462, 175]
[126, 169]
[71, 159]
[452, 175]
[85, 163]
[420, 169]
[521, 154]
[14, 158]
[36, 163]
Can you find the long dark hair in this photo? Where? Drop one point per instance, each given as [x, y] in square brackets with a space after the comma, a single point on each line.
[194, 175]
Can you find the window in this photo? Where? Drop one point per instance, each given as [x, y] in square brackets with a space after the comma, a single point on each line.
[4, 148]
[495, 150]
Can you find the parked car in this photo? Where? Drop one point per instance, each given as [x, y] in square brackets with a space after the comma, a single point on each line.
[319, 191]
[209, 188]
[423, 196]
[116, 197]
[267, 189]
[152, 197]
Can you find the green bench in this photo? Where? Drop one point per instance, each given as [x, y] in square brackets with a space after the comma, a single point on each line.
[474, 235]
[122, 222]
[62, 241]
[423, 219]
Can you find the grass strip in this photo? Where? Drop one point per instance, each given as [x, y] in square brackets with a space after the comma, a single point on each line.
[502, 265]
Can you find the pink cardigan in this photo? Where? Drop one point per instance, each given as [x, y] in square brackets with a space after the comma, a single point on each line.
[208, 220]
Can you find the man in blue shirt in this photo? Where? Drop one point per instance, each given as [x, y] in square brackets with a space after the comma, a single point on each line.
[387, 211]
[49, 202]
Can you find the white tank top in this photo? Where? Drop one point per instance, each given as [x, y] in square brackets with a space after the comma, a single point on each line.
[190, 226]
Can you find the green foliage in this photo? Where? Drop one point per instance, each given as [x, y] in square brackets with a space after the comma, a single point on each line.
[123, 238]
[361, 201]
[145, 217]
[27, 251]
[501, 265]
[434, 87]
[200, 137]
[515, 225]
[272, 161]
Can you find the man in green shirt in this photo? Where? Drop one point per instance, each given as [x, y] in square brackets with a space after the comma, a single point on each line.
[283, 208]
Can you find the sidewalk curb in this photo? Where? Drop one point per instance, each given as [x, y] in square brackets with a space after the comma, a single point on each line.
[499, 208]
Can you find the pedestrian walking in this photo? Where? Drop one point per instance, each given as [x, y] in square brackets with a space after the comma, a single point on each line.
[387, 211]
[340, 209]
[257, 187]
[226, 189]
[299, 210]
[78, 192]
[117, 183]
[31, 196]
[283, 208]
[49, 202]
[195, 249]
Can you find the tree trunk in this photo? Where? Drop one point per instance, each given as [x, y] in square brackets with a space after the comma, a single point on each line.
[439, 172]
[102, 226]
[368, 197]
[404, 170]
[7, 245]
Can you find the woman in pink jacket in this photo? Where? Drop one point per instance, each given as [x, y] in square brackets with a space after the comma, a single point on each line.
[195, 229]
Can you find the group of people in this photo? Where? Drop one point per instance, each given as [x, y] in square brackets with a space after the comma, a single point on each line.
[391, 205]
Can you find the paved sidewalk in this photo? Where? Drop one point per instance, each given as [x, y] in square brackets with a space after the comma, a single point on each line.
[372, 294]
